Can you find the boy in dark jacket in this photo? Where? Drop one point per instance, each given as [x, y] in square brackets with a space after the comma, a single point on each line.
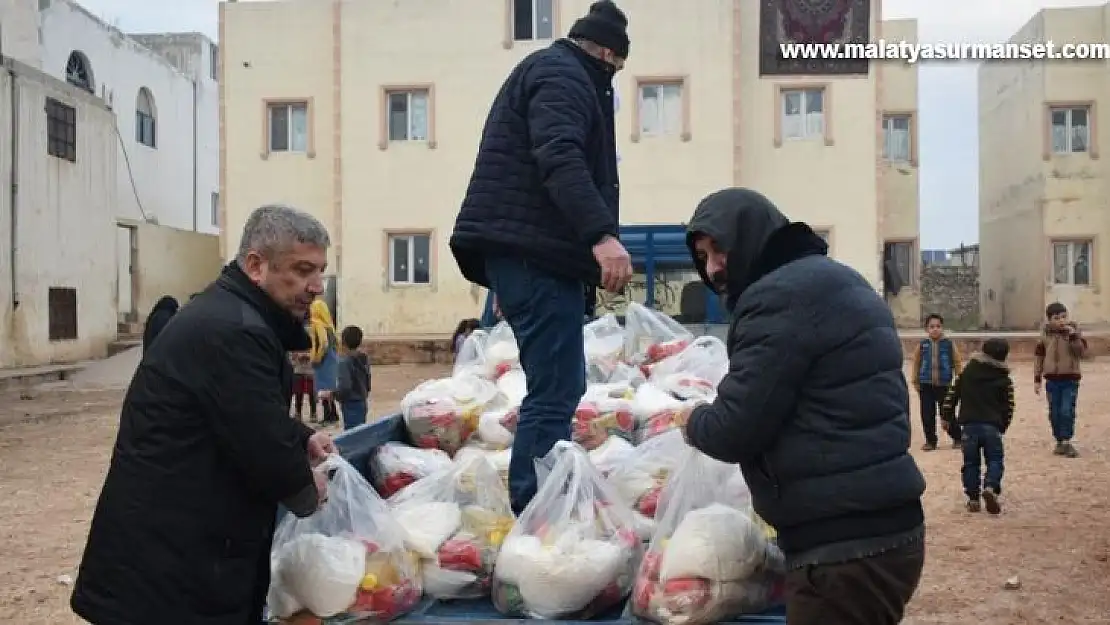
[936, 362]
[353, 390]
[984, 393]
[815, 411]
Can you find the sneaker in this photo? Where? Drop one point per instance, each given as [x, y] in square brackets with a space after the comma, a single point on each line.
[1059, 450]
[929, 447]
[973, 505]
[1069, 450]
[990, 498]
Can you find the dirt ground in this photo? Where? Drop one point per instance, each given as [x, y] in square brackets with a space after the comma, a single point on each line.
[1053, 535]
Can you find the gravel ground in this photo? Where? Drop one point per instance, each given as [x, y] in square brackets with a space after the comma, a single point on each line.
[1053, 534]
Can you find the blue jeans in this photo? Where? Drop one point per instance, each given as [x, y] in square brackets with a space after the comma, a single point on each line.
[982, 445]
[354, 413]
[545, 313]
[1062, 395]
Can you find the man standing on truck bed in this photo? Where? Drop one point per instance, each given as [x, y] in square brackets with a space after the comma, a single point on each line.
[815, 410]
[540, 219]
[206, 449]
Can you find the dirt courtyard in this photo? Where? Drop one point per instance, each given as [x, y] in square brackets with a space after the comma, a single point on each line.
[1054, 534]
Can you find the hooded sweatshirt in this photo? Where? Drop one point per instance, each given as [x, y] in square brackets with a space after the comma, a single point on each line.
[984, 393]
[815, 407]
[159, 316]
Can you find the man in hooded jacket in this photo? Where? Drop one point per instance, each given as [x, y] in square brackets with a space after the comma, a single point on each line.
[814, 409]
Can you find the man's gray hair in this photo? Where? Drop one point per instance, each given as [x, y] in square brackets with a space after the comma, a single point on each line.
[275, 228]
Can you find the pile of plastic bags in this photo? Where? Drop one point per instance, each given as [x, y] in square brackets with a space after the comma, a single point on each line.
[349, 559]
[395, 466]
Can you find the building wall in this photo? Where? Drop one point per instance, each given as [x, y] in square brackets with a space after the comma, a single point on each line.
[63, 217]
[364, 187]
[160, 272]
[19, 31]
[152, 182]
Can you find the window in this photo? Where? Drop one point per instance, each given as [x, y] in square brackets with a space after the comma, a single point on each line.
[902, 254]
[408, 115]
[288, 126]
[144, 118]
[533, 19]
[410, 258]
[215, 208]
[823, 233]
[1071, 262]
[78, 71]
[1071, 128]
[61, 130]
[803, 113]
[661, 109]
[214, 61]
[896, 138]
[61, 313]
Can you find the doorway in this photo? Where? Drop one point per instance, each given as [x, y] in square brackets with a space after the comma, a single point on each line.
[126, 254]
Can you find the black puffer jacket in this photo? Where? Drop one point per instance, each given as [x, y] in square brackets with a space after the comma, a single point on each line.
[815, 406]
[545, 184]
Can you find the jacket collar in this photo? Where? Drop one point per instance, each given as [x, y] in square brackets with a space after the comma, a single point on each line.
[600, 72]
[289, 330]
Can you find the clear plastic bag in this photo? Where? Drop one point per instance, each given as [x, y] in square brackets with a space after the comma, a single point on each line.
[614, 452]
[442, 414]
[471, 358]
[651, 336]
[499, 458]
[706, 357]
[640, 479]
[604, 345]
[394, 466]
[656, 411]
[686, 387]
[348, 560]
[600, 416]
[502, 353]
[573, 551]
[457, 520]
[707, 561]
[513, 387]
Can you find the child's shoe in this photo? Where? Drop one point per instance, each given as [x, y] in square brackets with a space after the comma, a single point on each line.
[1069, 450]
[929, 447]
[1059, 449]
[973, 505]
[990, 498]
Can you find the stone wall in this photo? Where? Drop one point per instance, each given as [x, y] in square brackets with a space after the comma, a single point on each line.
[953, 293]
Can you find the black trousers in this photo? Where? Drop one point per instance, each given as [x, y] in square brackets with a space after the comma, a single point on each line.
[868, 591]
[931, 399]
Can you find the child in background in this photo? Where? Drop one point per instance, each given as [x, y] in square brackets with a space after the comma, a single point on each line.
[465, 328]
[353, 389]
[984, 393]
[303, 385]
[936, 362]
[1056, 362]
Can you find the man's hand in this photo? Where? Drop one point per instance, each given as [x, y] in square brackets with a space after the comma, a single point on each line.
[321, 478]
[615, 263]
[320, 446]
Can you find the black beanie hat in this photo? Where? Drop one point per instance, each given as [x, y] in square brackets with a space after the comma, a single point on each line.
[606, 25]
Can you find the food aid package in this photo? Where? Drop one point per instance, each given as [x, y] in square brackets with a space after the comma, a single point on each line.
[656, 411]
[498, 458]
[471, 359]
[604, 345]
[456, 522]
[600, 415]
[502, 353]
[496, 427]
[705, 358]
[573, 551]
[513, 386]
[708, 560]
[394, 466]
[651, 336]
[686, 387]
[349, 560]
[640, 478]
[443, 413]
[613, 453]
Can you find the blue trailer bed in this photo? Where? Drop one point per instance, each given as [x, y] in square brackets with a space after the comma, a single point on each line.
[357, 446]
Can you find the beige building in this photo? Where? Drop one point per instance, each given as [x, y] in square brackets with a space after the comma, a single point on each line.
[1042, 185]
[369, 113]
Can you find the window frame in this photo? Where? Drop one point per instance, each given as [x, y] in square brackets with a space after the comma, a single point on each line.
[1093, 151]
[911, 120]
[58, 328]
[310, 123]
[826, 233]
[1072, 242]
[509, 37]
[383, 118]
[61, 117]
[683, 83]
[780, 93]
[146, 121]
[215, 217]
[392, 236]
[914, 269]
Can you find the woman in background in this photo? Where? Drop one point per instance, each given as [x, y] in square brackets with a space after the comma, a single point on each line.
[325, 358]
[465, 328]
[159, 316]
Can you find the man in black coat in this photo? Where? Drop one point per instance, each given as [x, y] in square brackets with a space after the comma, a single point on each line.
[164, 310]
[206, 449]
[539, 223]
[814, 409]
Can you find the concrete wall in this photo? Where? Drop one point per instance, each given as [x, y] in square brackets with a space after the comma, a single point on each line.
[365, 188]
[172, 262]
[64, 221]
[152, 182]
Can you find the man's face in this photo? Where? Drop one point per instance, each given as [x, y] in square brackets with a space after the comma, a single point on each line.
[293, 278]
[715, 259]
[612, 59]
[935, 328]
[1059, 320]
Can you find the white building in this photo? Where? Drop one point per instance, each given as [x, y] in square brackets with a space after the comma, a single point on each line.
[57, 274]
[162, 89]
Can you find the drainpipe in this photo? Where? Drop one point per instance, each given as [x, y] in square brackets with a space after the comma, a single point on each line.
[196, 198]
[14, 191]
